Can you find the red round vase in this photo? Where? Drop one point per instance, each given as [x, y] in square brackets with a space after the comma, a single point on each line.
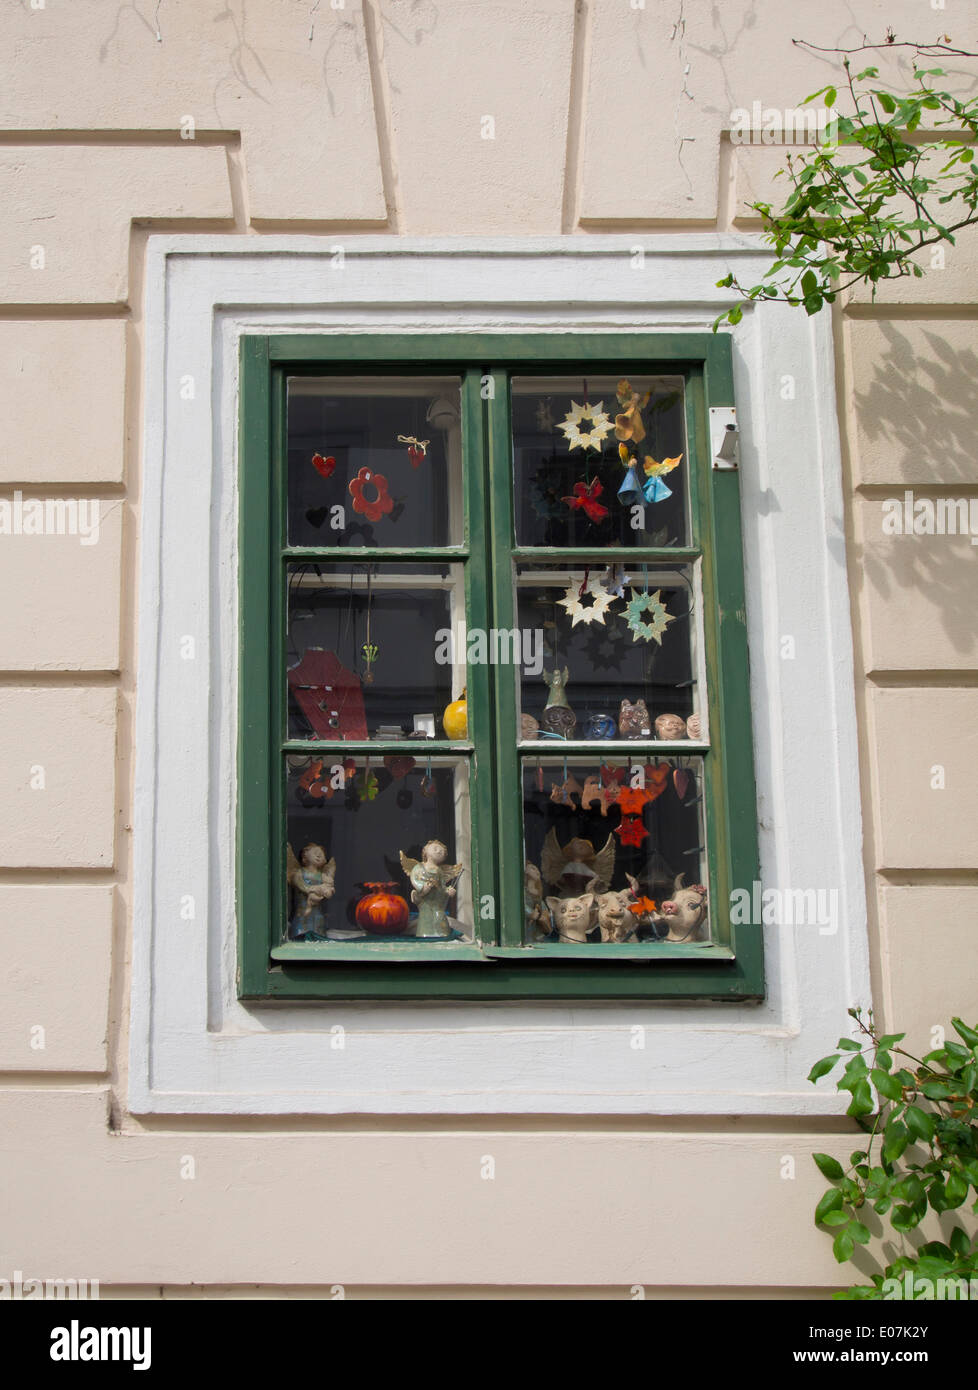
[382, 911]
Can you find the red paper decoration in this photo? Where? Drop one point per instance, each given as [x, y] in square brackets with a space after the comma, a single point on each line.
[324, 466]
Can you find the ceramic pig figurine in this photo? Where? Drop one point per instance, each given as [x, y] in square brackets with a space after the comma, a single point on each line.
[573, 917]
[685, 912]
[615, 921]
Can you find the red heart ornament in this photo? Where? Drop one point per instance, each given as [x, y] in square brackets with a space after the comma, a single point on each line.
[323, 466]
[681, 780]
[656, 780]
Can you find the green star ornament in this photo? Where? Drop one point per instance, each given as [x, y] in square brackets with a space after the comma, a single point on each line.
[652, 604]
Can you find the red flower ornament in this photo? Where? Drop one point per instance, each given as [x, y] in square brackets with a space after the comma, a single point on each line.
[373, 508]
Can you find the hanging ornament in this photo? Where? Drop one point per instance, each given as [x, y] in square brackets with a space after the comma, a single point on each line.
[612, 776]
[654, 489]
[585, 500]
[379, 505]
[600, 426]
[680, 780]
[563, 793]
[428, 782]
[656, 780]
[324, 466]
[577, 612]
[628, 425]
[369, 652]
[647, 603]
[631, 831]
[595, 792]
[397, 766]
[367, 785]
[632, 799]
[417, 448]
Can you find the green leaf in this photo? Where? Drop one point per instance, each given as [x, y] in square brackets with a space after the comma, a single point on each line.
[809, 283]
[955, 1190]
[735, 314]
[886, 1084]
[824, 1065]
[830, 96]
[889, 1040]
[886, 101]
[970, 1035]
[960, 1243]
[859, 1233]
[920, 1124]
[843, 1246]
[847, 1044]
[830, 1201]
[829, 1167]
[896, 1139]
[862, 1099]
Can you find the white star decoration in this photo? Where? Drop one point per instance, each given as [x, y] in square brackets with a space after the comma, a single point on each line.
[594, 612]
[601, 425]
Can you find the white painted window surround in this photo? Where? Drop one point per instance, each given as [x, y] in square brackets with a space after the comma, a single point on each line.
[194, 1047]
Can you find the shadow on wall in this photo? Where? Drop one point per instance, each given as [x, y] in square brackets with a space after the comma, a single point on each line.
[922, 407]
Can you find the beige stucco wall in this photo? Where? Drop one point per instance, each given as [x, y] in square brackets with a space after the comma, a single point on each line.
[608, 116]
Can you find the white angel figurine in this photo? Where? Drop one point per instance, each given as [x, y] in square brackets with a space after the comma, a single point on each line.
[314, 880]
[432, 886]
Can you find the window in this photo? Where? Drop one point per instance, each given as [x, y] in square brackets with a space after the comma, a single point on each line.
[489, 621]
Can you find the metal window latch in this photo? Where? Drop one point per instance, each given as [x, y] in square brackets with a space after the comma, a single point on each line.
[724, 438]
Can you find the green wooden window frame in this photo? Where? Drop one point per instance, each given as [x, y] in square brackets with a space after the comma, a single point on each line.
[498, 965]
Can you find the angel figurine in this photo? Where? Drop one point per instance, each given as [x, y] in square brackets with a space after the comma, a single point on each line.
[432, 885]
[314, 880]
[576, 867]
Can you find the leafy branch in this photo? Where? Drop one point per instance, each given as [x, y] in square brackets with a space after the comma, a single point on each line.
[922, 1150]
[875, 193]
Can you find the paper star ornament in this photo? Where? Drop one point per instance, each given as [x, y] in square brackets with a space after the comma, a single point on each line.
[594, 612]
[600, 425]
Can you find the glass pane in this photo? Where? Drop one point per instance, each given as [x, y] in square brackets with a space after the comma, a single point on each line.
[371, 651]
[374, 461]
[600, 461]
[614, 850]
[364, 835]
[616, 651]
